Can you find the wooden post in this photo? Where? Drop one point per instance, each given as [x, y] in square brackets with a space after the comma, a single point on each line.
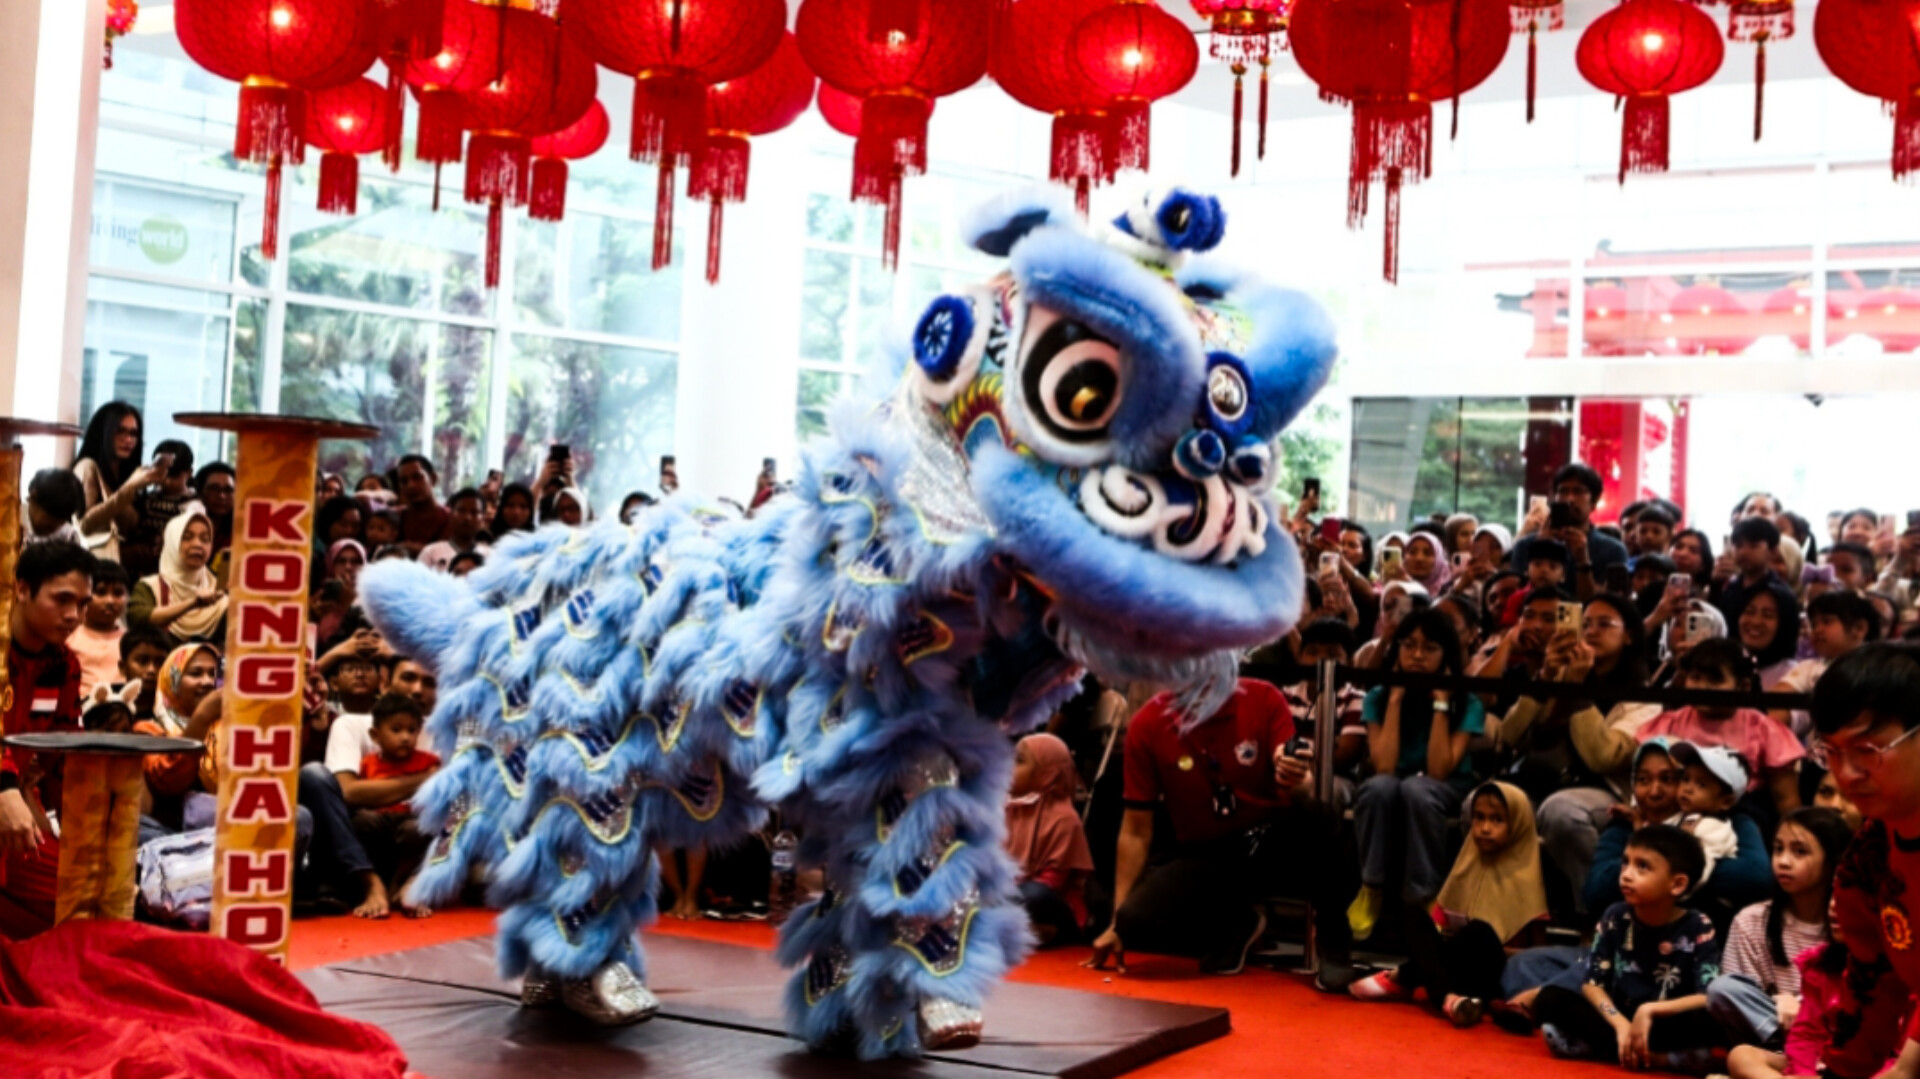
[277, 461]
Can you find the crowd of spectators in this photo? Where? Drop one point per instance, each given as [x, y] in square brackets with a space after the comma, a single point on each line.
[1545, 842]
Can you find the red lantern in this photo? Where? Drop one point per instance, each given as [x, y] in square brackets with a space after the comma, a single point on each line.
[274, 49]
[1791, 305]
[897, 80]
[1136, 54]
[1712, 322]
[1759, 21]
[583, 138]
[1392, 59]
[1529, 18]
[437, 80]
[344, 121]
[675, 49]
[543, 82]
[1032, 63]
[1645, 51]
[121, 15]
[1243, 32]
[1874, 47]
[758, 103]
[405, 30]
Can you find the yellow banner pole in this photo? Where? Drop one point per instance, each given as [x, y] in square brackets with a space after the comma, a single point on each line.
[277, 461]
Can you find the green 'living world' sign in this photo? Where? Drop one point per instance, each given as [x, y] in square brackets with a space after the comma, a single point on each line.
[163, 240]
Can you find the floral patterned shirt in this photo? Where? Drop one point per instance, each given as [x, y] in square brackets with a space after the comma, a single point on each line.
[1636, 962]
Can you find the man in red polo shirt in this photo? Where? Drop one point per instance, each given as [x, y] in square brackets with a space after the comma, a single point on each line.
[53, 582]
[1244, 817]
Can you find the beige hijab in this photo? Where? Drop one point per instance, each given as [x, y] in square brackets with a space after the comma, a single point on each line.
[1503, 889]
[176, 581]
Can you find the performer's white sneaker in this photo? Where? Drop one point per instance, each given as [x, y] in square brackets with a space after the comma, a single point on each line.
[947, 1024]
[613, 996]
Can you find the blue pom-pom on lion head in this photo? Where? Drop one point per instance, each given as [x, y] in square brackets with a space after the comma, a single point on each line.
[1117, 400]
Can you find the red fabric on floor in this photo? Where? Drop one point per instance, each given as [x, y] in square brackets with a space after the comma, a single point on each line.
[132, 1001]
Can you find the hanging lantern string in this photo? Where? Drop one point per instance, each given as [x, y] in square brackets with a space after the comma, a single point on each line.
[1261, 152]
[1759, 83]
[1533, 63]
[1239, 75]
[1453, 38]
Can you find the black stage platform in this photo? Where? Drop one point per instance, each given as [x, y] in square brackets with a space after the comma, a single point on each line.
[719, 1016]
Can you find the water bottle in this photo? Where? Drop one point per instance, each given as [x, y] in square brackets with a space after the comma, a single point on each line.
[786, 881]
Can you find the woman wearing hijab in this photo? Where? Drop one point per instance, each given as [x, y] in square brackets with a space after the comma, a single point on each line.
[1428, 563]
[1046, 840]
[188, 674]
[569, 507]
[1493, 896]
[184, 599]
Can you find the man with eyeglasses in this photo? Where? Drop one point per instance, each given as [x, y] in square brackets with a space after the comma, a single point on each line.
[1866, 710]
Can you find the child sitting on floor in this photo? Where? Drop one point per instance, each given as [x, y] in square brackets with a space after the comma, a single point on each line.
[1494, 894]
[390, 833]
[1656, 800]
[1758, 994]
[1644, 1003]
[1738, 871]
[1046, 840]
[1820, 968]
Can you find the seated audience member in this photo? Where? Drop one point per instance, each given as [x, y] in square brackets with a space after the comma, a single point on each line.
[1736, 872]
[1329, 640]
[54, 501]
[465, 562]
[215, 486]
[1044, 836]
[1494, 894]
[141, 510]
[1466, 619]
[1650, 575]
[1418, 744]
[372, 483]
[1629, 533]
[52, 583]
[111, 716]
[1521, 652]
[1788, 562]
[464, 522]
[97, 641]
[1458, 530]
[335, 788]
[1826, 795]
[1656, 800]
[1854, 567]
[1546, 567]
[1398, 599]
[1837, 623]
[1719, 664]
[1427, 562]
[345, 559]
[382, 819]
[1574, 756]
[337, 519]
[382, 529]
[190, 672]
[391, 551]
[1866, 709]
[1644, 1003]
[183, 598]
[1758, 993]
[1486, 557]
[515, 513]
[1653, 530]
[1577, 487]
[414, 680]
[568, 506]
[1767, 620]
[1757, 504]
[142, 650]
[1498, 592]
[423, 520]
[1859, 526]
[1244, 817]
[1813, 1028]
[1692, 554]
[1889, 612]
[1747, 565]
[331, 485]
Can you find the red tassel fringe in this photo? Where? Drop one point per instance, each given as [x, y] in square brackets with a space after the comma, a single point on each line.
[1388, 137]
[894, 21]
[498, 167]
[548, 199]
[1390, 268]
[1265, 66]
[270, 215]
[1079, 153]
[1083, 197]
[270, 124]
[663, 217]
[1759, 87]
[1643, 135]
[1239, 93]
[1130, 139]
[1906, 138]
[438, 139]
[716, 215]
[396, 107]
[669, 118]
[494, 221]
[339, 183]
[890, 238]
[1533, 65]
[720, 172]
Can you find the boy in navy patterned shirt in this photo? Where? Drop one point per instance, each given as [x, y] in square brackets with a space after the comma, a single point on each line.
[1645, 999]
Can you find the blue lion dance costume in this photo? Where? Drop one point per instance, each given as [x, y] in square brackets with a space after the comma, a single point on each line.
[1071, 475]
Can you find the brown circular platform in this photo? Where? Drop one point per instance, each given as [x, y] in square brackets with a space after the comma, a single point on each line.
[14, 426]
[103, 743]
[317, 426]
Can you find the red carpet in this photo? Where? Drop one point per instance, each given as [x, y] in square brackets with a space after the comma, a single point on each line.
[1281, 1026]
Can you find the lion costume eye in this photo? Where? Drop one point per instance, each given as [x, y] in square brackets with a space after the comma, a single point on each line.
[1071, 378]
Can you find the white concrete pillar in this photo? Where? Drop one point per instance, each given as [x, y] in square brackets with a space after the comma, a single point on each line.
[50, 60]
[739, 379]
